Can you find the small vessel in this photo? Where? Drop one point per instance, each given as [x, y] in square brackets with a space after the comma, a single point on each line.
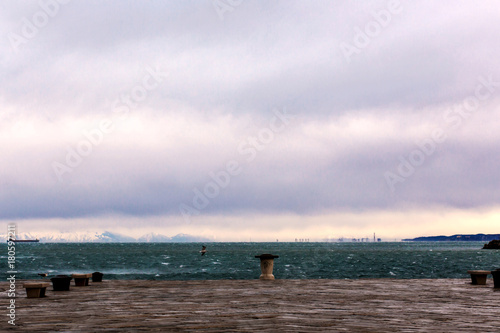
[23, 240]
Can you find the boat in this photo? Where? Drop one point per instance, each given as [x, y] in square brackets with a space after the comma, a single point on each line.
[24, 240]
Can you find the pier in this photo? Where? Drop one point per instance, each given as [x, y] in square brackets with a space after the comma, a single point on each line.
[365, 305]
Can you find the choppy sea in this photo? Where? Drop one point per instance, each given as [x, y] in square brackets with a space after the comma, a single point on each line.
[182, 261]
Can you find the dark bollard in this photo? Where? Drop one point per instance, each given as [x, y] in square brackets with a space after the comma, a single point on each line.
[61, 282]
[97, 277]
[266, 266]
[496, 278]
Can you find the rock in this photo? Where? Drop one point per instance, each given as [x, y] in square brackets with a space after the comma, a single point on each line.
[494, 244]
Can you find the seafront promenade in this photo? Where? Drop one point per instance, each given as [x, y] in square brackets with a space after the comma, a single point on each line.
[365, 305]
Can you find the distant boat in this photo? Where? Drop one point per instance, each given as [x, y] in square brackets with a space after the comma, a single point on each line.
[24, 240]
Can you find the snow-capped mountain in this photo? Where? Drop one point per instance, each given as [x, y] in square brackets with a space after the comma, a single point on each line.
[104, 237]
[154, 237]
[181, 238]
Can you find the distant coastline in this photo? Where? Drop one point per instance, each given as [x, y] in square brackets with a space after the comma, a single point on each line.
[455, 238]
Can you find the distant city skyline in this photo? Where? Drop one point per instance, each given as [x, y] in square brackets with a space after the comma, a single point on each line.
[254, 119]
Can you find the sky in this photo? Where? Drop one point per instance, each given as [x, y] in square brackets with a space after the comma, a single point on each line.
[244, 120]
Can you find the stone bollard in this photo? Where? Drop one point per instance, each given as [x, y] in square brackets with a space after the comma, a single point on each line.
[266, 266]
[479, 277]
[496, 278]
[81, 280]
[97, 277]
[61, 282]
[35, 289]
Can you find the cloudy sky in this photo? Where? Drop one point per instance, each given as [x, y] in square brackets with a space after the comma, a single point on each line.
[250, 119]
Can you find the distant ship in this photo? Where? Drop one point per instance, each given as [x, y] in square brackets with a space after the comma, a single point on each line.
[23, 240]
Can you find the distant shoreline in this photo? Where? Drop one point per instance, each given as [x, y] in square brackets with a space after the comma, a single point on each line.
[455, 238]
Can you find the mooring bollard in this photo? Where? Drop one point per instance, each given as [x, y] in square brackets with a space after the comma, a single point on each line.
[35, 289]
[81, 280]
[266, 266]
[496, 278]
[97, 277]
[61, 282]
[479, 277]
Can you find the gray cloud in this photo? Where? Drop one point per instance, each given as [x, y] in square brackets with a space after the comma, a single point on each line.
[355, 120]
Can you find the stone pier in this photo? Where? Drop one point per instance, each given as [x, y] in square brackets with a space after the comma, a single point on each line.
[371, 305]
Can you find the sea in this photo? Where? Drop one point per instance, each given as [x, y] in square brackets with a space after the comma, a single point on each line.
[297, 260]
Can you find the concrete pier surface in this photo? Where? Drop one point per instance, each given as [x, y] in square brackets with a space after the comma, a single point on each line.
[366, 305]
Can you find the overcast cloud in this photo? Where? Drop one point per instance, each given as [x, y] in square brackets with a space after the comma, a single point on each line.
[129, 108]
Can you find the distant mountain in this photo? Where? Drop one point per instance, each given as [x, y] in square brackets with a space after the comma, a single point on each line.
[113, 237]
[154, 237]
[181, 238]
[105, 237]
[456, 238]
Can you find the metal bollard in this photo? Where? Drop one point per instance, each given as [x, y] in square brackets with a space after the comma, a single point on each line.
[266, 266]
